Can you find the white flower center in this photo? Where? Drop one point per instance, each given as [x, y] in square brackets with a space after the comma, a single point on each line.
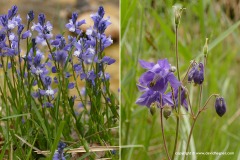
[76, 53]
[39, 71]
[49, 92]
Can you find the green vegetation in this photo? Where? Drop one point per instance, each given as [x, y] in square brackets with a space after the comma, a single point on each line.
[147, 32]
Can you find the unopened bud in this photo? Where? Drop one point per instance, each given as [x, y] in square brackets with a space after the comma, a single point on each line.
[205, 48]
[167, 110]
[220, 106]
[153, 108]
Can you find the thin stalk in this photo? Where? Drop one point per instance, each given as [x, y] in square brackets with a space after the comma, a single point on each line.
[163, 136]
[179, 94]
[194, 121]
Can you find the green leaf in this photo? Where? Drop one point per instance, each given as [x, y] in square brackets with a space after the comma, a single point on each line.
[57, 138]
[14, 116]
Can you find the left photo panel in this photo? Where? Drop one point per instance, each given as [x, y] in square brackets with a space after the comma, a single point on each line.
[59, 79]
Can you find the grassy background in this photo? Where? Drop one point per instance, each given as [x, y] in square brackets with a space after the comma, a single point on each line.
[147, 32]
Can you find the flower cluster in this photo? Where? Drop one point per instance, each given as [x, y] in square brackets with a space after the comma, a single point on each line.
[88, 49]
[154, 84]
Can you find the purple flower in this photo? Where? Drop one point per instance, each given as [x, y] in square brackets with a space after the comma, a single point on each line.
[106, 41]
[2, 40]
[158, 75]
[154, 83]
[196, 74]
[12, 12]
[48, 92]
[41, 19]
[73, 25]
[58, 155]
[47, 81]
[220, 106]
[60, 43]
[55, 80]
[30, 16]
[108, 60]
[43, 29]
[71, 85]
[20, 29]
[26, 34]
[12, 23]
[48, 105]
[67, 75]
[61, 56]
[36, 66]
[4, 20]
[100, 24]
[54, 69]
[183, 97]
[149, 96]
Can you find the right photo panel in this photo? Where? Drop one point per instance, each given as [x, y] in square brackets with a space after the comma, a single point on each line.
[180, 80]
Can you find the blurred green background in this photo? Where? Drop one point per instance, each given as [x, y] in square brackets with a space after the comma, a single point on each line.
[147, 32]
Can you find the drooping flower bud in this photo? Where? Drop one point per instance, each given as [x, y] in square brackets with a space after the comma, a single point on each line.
[167, 110]
[153, 108]
[220, 106]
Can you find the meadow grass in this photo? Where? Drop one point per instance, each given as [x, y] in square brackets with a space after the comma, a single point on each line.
[147, 32]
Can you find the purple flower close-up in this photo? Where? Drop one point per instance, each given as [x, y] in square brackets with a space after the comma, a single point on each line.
[154, 83]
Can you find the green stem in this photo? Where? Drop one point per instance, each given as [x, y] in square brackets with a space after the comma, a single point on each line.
[163, 135]
[179, 95]
[194, 121]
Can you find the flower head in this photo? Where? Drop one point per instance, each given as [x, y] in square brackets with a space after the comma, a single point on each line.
[43, 29]
[100, 24]
[12, 12]
[73, 25]
[154, 83]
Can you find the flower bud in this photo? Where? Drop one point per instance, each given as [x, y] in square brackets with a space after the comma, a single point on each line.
[220, 106]
[153, 108]
[167, 110]
[178, 13]
[205, 48]
[30, 16]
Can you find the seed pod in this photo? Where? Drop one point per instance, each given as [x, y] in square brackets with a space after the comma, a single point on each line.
[172, 69]
[153, 108]
[167, 110]
[220, 106]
